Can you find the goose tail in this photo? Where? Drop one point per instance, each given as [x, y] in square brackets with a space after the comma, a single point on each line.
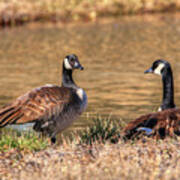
[9, 115]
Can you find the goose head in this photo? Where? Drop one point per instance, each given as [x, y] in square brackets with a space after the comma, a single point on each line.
[71, 62]
[159, 67]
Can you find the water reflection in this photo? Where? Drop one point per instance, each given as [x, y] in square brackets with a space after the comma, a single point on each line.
[114, 53]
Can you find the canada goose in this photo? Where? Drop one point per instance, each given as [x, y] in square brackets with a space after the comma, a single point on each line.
[163, 68]
[52, 108]
[165, 122]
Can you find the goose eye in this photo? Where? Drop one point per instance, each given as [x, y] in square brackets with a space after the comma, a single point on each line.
[155, 66]
[71, 60]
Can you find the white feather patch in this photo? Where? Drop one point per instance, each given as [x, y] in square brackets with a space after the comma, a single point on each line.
[49, 85]
[66, 64]
[76, 64]
[159, 68]
[80, 93]
[83, 97]
[159, 109]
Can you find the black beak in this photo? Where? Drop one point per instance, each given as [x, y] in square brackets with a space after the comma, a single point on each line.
[80, 67]
[150, 70]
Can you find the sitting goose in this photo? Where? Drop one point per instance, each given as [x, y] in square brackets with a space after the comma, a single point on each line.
[163, 68]
[165, 122]
[52, 108]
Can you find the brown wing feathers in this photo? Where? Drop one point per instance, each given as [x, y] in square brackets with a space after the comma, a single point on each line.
[9, 115]
[162, 123]
[40, 103]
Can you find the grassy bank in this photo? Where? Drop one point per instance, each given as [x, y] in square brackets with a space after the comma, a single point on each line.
[88, 154]
[18, 12]
[21, 141]
[102, 130]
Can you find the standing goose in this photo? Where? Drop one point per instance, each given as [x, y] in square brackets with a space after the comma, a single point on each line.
[165, 122]
[52, 108]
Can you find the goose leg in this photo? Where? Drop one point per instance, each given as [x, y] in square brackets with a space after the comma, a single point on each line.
[53, 140]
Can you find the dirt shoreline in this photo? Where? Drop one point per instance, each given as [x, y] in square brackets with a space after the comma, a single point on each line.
[21, 12]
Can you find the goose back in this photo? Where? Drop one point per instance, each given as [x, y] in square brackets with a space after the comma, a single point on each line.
[162, 124]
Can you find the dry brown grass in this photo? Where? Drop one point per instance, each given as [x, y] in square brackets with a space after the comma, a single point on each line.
[144, 159]
[17, 12]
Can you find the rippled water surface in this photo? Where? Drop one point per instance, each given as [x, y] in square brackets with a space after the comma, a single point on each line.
[115, 54]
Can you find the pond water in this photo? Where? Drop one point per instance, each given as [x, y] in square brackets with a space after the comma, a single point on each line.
[114, 52]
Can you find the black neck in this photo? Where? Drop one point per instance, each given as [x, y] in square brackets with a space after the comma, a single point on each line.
[168, 89]
[67, 80]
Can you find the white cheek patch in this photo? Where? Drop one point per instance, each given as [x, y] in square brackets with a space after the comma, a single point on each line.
[66, 64]
[158, 69]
